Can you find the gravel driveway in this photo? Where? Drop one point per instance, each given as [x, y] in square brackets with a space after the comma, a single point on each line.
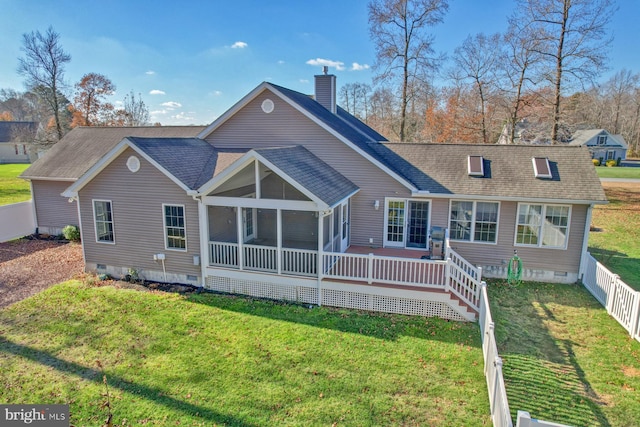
[28, 266]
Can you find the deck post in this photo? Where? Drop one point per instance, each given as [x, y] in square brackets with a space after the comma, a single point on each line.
[370, 269]
[320, 260]
[447, 275]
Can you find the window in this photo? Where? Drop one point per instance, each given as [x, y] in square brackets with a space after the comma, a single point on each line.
[175, 230]
[103, 219]
[542, 225]
[474, 221]
[602, 139]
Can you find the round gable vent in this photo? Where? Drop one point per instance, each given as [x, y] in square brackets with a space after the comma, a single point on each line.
[267, 106]
[133, 163]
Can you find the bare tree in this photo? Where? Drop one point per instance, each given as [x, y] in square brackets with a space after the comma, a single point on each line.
[133, 113]
[477, 59]
[404, 46]
[354, 98]
[43, 66]
[573, 40]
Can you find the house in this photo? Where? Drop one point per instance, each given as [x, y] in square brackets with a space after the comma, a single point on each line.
[289, 196]
[69, 159]
[601, 144]
[15, 138]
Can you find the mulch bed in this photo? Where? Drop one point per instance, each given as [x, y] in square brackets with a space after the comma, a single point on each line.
[30, 265]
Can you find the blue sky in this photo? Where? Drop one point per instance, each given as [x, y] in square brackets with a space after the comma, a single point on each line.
[193, 60]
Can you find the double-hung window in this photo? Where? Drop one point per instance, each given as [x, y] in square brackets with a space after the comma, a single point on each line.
[103, 221]
[474, 221]
[543, 225]
[175, 232]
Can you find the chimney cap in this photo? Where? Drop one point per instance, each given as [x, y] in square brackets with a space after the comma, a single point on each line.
[325, 70]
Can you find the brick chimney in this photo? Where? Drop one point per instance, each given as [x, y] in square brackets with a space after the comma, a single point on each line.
[326, 90]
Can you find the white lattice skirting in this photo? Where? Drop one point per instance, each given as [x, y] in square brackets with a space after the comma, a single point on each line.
[344, 296]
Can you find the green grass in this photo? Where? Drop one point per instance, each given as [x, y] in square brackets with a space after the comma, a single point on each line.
[219, 360]
[616, 240]
[618, 172]
[565, 359]
[12, 188]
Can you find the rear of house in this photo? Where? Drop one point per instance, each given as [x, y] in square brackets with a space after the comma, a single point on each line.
[287, 195]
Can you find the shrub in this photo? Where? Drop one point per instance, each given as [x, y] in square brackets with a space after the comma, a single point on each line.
[71, 233]
[611, 163]
[596, 162]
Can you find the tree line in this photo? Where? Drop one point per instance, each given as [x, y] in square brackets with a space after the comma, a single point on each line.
[535, 83]
[46, 101]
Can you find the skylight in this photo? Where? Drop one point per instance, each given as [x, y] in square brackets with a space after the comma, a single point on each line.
[541, 167]
[475, 165]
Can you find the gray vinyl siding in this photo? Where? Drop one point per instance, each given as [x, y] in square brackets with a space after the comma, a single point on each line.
[52, 210]
[138, 218]
[251, 127]
[560, 260]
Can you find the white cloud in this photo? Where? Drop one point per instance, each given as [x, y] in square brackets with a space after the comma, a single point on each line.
[158, 112]
[304, 81]
[184, 116]
[281, 62]
[157, 92]
[216, 93]
[326, 62]
[359, 67]
[171, 104]
[239, 45]
[150, 73]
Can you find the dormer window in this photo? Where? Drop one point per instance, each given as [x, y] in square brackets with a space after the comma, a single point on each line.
[602, 139]
[475, 165]
[541, 168]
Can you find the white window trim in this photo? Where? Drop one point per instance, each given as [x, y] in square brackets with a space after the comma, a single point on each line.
[164, 227]
[473, 223]
[543, 214]
[95, 222]
[386, 243]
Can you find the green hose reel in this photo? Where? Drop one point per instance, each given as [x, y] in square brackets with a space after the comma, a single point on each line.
[514, 269]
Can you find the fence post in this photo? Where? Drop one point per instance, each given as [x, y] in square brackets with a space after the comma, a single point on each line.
[496, 377]
[635, 315]
[479, 274]
[370, 269]
[611, 296]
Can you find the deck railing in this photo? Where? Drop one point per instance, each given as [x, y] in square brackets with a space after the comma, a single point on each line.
[463, 279]
[621, 301]
[301, 262]
[383, 269]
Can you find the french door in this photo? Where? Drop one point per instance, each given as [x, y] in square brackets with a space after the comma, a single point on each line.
[407, 223]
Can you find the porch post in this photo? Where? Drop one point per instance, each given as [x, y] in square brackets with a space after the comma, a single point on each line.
[320, 260]
[239, 235]
[585, 243]
[279, 239]
[205, 255]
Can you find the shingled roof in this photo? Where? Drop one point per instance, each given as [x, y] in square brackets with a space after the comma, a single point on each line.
[82, 147]
[508, 171]
[192, 161]
[313, 174]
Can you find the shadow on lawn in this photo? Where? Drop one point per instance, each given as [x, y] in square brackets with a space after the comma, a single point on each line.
[542, 373]
[115, 381]
[378, 325]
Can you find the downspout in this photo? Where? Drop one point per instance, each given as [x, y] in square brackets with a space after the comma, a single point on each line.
[585, 242]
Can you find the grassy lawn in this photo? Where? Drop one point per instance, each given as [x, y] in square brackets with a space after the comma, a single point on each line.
[209, 359]
[618, 172]
[565, 359]
[617, 243]
[13, 189]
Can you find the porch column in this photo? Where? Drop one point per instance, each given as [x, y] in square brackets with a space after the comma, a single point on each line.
[320, 260]
[239, 225]
[205, 251]
[279, 239]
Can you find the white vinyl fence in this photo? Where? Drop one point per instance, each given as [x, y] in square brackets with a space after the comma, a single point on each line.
[16, 220]
[621, 301]
[498, 401]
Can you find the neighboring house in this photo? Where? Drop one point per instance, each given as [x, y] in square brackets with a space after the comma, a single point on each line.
[15, 141]
[601, 144]
[284, 195]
